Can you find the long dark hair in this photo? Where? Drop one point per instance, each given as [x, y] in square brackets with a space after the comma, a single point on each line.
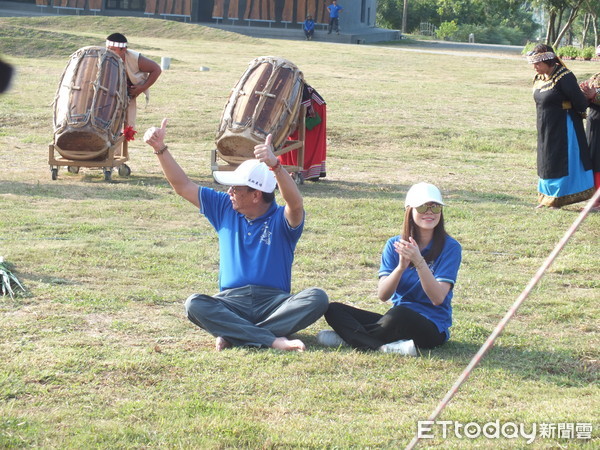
[410, 229]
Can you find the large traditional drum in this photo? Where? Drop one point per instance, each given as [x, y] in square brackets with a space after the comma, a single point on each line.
[266, 100]
[90, 104]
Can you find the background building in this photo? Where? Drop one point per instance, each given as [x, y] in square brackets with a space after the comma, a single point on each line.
[260, 18]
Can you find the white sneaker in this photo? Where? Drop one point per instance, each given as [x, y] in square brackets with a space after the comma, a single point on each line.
[330, 338]
[401, 347]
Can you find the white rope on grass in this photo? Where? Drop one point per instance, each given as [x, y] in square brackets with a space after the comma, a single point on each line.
[511, 312]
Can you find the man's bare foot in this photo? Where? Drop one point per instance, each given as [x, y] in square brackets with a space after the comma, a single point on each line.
[294, 345]
[221, 344]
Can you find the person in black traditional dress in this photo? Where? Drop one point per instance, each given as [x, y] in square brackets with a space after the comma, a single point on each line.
[591, 89]
[563, 158]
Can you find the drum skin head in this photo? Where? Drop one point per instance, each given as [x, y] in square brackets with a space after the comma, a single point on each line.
[266, 100]
[237, 146]
[82, 139]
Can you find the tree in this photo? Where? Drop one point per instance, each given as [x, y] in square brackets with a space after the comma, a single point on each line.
[591, 8]
[510, 21]
[573, 13]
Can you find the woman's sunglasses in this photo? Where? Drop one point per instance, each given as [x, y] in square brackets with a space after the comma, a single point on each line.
[435, 209]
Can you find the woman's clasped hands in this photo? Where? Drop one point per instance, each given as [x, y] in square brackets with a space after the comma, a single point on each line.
[408, 251]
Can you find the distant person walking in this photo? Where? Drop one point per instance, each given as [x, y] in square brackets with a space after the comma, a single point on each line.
[334, 17]
[564, 165]
[309, 27]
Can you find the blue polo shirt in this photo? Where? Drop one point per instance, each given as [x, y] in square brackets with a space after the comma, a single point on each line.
[334, 10]
[259, 251]
[410, 292]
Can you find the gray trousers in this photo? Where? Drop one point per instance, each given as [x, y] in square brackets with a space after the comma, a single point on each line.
[256, 315]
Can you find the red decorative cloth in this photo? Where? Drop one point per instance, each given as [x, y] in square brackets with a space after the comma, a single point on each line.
[315, 139]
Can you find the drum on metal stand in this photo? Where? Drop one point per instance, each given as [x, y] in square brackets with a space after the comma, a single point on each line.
[266, 100]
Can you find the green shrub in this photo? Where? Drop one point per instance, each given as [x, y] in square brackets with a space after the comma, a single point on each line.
[528, 47]
[500, 34]
[447, 30]
[587, 53]
[568, 52]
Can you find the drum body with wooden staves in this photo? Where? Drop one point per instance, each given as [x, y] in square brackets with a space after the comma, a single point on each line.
[90, 104]
[266, 100]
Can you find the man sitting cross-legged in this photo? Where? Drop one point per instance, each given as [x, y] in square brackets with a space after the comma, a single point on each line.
[257, 239]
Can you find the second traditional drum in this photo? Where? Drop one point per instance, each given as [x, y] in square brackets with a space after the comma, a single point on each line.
[266, 100]
[90, 104]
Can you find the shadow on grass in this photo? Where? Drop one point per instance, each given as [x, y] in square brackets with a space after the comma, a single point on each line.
[390, 191]
[94, 188]
[92, 185]
[558, 367]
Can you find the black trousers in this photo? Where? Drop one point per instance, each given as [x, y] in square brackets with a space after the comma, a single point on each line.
[369, 330]
[334, 24]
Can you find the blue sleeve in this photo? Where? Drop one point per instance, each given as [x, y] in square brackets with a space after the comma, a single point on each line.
[447, 264]
[213, 205]
[389, 257]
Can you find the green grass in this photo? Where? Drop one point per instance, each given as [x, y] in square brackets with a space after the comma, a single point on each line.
[98, 353]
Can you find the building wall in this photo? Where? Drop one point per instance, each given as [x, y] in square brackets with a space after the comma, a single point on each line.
[356, 13]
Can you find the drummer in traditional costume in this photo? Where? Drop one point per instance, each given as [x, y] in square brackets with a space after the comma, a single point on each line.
[563, 158]
[591, 89]
[142, 73]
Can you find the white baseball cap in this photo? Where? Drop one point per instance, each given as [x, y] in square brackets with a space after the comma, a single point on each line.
[422, 193]
[251, 173]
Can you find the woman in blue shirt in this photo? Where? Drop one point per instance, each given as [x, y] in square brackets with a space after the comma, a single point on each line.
[417, 273]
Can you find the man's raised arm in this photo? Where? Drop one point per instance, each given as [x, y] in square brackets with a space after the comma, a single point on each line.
[155, 137]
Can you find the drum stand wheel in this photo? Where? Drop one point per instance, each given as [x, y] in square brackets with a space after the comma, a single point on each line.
[124, 170]
[298, 178]
[54, 172]
[73, 169]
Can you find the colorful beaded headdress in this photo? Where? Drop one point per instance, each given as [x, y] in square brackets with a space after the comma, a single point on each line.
[539, 57]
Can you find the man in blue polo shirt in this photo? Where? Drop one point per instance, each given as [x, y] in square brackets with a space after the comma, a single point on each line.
[334, 17]
[257, 239]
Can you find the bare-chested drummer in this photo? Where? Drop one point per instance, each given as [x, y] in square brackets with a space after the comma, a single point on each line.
[141, 73]
[257, 240]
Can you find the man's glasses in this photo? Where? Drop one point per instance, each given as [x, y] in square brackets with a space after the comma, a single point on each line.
[239, 189]
[435, 208]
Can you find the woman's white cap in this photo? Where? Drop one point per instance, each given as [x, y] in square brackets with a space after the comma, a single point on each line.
[422, 193]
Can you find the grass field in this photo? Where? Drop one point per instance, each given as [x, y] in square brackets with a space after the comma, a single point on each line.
[98, 353]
